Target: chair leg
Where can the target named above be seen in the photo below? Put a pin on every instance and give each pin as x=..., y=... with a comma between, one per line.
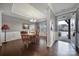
x=25, y=44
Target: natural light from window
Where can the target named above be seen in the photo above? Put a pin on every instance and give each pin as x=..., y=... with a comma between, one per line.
x=61, y=22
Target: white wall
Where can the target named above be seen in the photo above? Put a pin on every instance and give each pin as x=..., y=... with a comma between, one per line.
x=51, y=33
x=10, y=36
x=15, y=25
x=0, y=27
x=77, y=34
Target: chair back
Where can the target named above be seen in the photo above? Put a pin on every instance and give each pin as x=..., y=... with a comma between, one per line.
x=24, y=35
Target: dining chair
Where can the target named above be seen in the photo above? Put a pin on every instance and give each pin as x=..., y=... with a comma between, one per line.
x=25, y=38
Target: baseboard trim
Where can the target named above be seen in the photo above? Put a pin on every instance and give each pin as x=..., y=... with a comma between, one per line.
x=10, y=40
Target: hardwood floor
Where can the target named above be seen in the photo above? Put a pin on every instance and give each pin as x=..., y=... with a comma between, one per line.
x=16, y=48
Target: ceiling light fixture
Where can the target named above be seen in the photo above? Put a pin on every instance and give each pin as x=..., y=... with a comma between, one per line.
x=33, y=20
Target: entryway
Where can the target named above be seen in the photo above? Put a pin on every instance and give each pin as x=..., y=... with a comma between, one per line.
x=67, y=29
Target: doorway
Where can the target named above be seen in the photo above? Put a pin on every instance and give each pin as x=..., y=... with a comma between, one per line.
x=63, y=30
x=67, y=29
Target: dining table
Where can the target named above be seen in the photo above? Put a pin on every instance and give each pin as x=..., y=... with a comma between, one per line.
x=32, y=37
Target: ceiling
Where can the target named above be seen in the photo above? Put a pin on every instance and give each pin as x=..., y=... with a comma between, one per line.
x=63, y=10
x=5, y=7
x=59, y=8
x=42, y=7
x=37, y=11
x=25, y=11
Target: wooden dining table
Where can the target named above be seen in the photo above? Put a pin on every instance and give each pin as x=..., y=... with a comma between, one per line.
x=32, y=37
x=28, y=38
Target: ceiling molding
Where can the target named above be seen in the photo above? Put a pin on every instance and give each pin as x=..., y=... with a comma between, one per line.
x=59, y=8
x=66, y=12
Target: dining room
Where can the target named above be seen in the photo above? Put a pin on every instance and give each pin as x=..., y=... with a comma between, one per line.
x=30, y=29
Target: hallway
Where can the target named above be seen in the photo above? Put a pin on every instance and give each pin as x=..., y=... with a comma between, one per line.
x=16, y=48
